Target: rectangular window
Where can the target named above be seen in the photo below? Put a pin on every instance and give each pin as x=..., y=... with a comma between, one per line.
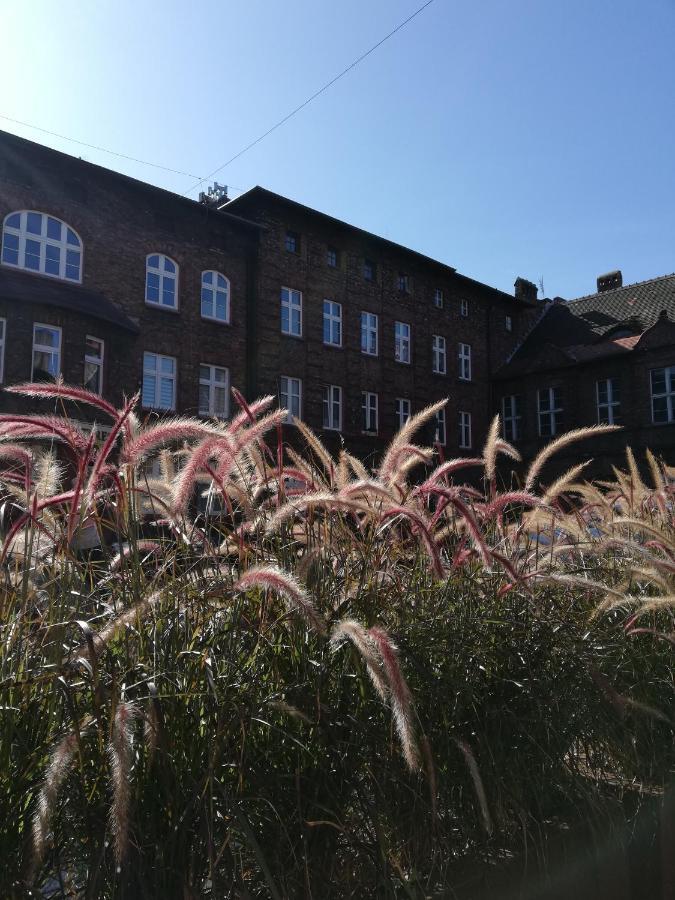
x=438, y=354
x=438, y=298
x=464, y=359
x=332, y=257
x=368, y=270
x=291, y=312
x=369, y=333
x=403, y=283
x=508, y=323
x=290, y=397
x=464, y=308
x=465, y=430
x=439, y=437
x=214, y=391
x=402, y=411
x=332, y=407
x=159, y=381
x=46, y=352
x=663, y=395
x=511, y=418
x=549, y=403
x=402, y=342
x=3, y=330
x=609, y=401
x=292, y=242
x=332, y=323
x=369, y=411
x=93, y=365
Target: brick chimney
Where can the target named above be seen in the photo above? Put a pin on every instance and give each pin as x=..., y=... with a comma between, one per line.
x=610, y=281
x=525, y=290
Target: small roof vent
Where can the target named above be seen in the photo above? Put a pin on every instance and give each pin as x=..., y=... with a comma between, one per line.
x=610, y=281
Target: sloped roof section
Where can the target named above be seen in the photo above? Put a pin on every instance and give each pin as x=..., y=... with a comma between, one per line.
x=642, y=302
x=23, y=287
x=597, y=325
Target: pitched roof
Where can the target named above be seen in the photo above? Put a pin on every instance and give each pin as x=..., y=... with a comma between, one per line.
x=642, y=301
x=595, y=326
x=25, y=287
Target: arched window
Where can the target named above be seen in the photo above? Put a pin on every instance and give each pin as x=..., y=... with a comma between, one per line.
x=161, y=281
x=215, y=296
x=41, y=243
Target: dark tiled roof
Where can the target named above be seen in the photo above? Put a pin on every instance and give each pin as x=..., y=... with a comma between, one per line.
x=641, y=302
x=596, y=325
x=24, y=287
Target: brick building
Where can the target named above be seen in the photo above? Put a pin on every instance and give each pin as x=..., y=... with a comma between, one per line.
x=357, y=332
x=607, y=357
x=120, y=285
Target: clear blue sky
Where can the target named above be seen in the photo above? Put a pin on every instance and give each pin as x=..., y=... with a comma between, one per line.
x=505, y=137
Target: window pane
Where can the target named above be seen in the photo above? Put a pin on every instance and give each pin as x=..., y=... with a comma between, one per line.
x=10, y=249
x=34, y=223
x=204, y=398
x=166, y=393
x=207, y=302
x=166, y=365
x=221, y=305
x=658, y=381
x=660, y=409
x=13, y=221
x=168, y=265
x=32, y=258
x=73, y=238
x=46, y=337
x=53, y=229
x=91, y=377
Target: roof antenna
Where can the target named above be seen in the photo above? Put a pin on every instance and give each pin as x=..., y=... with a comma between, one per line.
x=541, y=286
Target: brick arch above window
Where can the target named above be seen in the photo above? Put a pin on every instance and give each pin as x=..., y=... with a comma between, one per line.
x=41, y=243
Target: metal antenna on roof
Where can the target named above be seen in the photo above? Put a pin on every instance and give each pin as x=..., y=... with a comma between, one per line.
x=541, y=286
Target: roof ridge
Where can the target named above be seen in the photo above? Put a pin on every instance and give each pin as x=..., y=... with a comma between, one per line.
x=622, y=288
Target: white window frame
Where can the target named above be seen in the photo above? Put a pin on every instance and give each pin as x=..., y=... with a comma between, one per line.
x=369, y=328
x=439, y=355
x=669, y=393
x=212, y=383
x=290, y=389
x=511, y=418
x=441, y=434
x=508, y=323
x=402, y=342
x=292, y=302
x=465, y=437
x=369, y=409
x=613, y=405
x=402, y=410
x=158, y=375
x=214, y=289
x=464, y=360
x=549, y=413
x=22, y=234
x=464, y=308
x=96, y=361
x=332, y=317
x=3, y=341
x=438, y=298
x=332, y=398
x=163, y=275
x=45, y=348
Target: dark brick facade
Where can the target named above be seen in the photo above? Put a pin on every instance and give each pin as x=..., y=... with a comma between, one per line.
x=319, y=239
x=120, y=222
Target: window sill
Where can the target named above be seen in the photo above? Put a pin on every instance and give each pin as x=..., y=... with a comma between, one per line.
x=217, y=321
x=370, y=433
x=402, y=362
x=160, y=306
x=371, y=355
x=296, y=337
x=333, y=346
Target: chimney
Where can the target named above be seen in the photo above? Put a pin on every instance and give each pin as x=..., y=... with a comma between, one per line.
x=610, y=281
x=525, y=290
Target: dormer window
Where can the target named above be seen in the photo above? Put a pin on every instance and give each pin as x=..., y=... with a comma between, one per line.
x=40, y=243
x=161, y=281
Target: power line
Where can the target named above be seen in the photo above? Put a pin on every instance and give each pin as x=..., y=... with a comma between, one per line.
x=313, y=97
x=64, y=137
